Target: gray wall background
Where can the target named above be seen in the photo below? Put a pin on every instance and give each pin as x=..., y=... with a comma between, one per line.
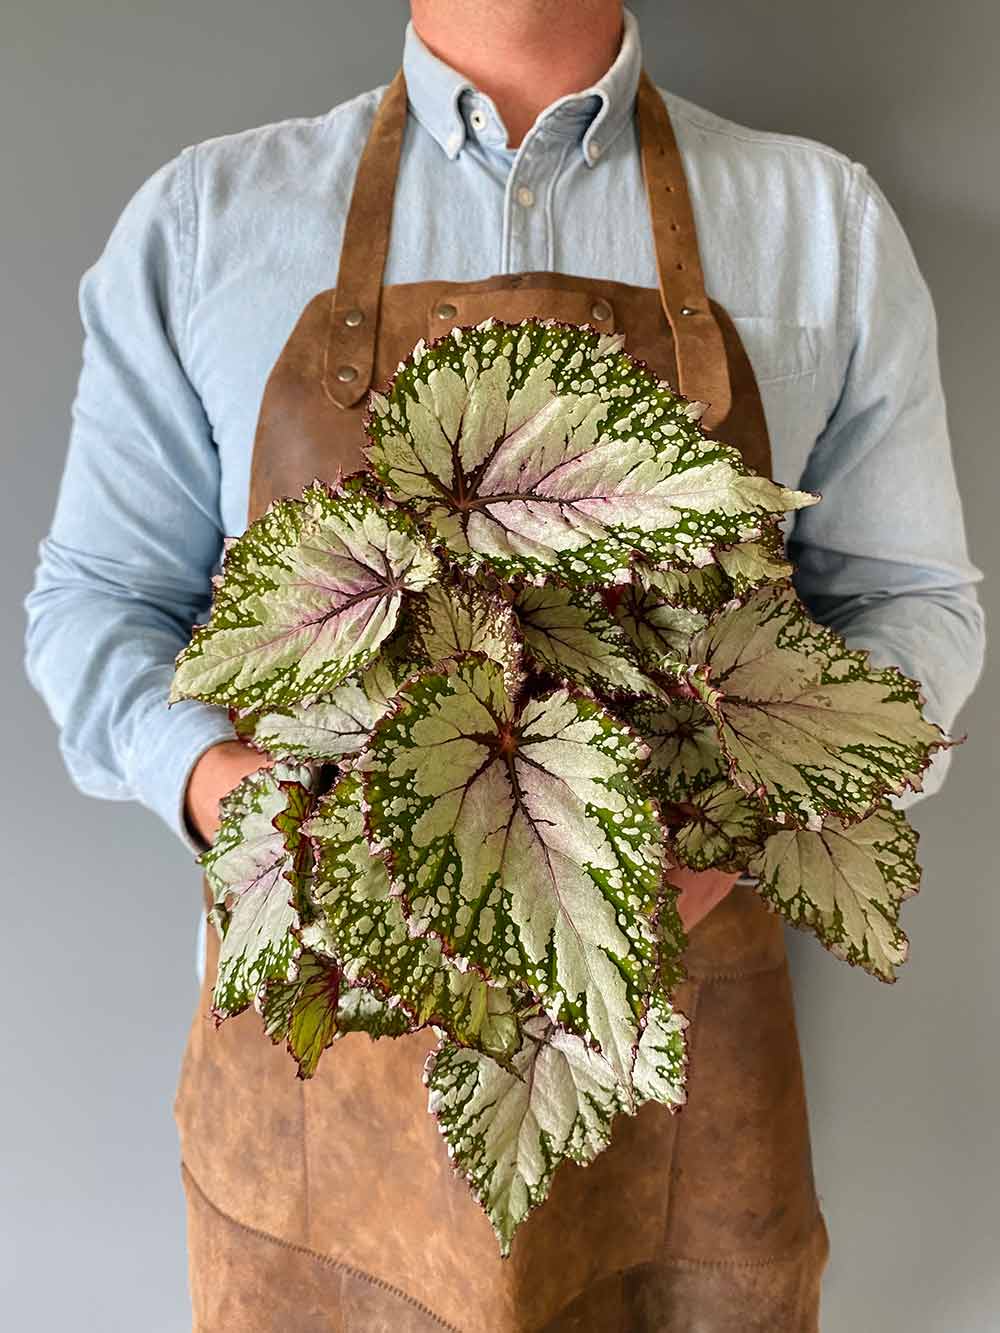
x=903, y=1081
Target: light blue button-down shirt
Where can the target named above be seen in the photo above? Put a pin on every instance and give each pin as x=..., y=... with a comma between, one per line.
x=214, y=257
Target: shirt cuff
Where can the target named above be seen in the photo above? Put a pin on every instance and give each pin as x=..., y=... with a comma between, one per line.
x=161, y=779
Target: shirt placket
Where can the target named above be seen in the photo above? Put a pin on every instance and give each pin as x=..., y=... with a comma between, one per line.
x=527, y=230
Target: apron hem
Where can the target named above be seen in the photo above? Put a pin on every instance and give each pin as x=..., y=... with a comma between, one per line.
x=787, y=1256
x=340, y=1264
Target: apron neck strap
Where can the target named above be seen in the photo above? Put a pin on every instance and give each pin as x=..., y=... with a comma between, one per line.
x=351, y=347
x=702, y=365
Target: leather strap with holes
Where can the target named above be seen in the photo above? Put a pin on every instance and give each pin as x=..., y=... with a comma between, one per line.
x=702, y=366
x=351, y=346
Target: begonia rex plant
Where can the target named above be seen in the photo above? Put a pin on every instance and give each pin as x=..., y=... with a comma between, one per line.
x=544, y=649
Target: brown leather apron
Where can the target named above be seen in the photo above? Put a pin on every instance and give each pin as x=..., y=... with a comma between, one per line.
x=331, y=1204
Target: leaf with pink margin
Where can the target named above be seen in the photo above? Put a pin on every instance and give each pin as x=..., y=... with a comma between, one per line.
x=508, y=1130
x=806, y=723
x=310, y=593
x=258, y=867
x=542, y=449
x=518, y=834
x=845, y=883
x=309, y=1011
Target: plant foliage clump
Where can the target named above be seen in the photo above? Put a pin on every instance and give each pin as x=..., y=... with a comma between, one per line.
x=541, y=652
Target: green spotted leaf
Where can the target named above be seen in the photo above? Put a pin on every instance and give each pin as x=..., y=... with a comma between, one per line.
x=519, y=836
x=318, y=1005
x=660, y=1069
x=544, y=448
x=845, y=882
x=705, y=589
x=569, y=632
x=258, y=869
x=807, y=723
x=722, y=829
x=671, y=941
x=302, y=1010
x=358, y=922
x=507, y=1130
x=309, y=593
x=464, y=617
x=684, y=751
x=659, y=629
x=750, y=564
x=333, y=726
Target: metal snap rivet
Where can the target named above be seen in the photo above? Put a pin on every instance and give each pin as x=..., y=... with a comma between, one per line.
x=688, y=310
x=347, y=373
x=354, y=317
x=446, y=310
x=601, y=310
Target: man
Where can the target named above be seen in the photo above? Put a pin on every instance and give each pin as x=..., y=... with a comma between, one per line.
x=520, y=154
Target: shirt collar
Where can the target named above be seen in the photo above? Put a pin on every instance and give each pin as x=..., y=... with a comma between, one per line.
x=443, y=100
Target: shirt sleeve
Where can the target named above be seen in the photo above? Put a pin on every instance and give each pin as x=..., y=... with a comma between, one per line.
x=882, y=558
x=126, y=569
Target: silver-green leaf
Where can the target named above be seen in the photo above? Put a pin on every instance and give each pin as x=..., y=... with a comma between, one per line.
x=257, y=868
x=569, y=632
x=360, y=923
x=805, y=722
x=845, y=882
x=310, y=592
x=542, y=448
x=507, y=1130
x=722, y=829
x=518, y=835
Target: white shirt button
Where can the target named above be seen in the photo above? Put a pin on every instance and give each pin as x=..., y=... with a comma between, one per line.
x=594, y=150
x=454, y=142
x=478, y=119
x=525, y=197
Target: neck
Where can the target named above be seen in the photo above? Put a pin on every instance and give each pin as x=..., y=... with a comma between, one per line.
x=524, y=54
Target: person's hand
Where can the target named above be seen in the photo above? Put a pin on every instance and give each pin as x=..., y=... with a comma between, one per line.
x=216, y=773
x=700, y=891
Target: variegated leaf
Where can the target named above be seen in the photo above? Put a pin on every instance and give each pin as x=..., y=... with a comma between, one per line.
x=846, y=882
x=361, y=1010
x=805, y=721
x=332, y=726
x=464, y=617
x=508, y=1130
x=660, y=631
x=723, y=828
x=705, y=589
x=753, y=563
x=257, y=868
x=541, y=448
x=310, y=592
x=317, y=1005
x=302, y=1010
x=569, y=632
x=362, y=925
x=684, y=751
x=519, y=835
x=660, y=1069
x=671, y=942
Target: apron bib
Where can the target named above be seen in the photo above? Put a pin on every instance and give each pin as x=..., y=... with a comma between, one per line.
x=330, y=1205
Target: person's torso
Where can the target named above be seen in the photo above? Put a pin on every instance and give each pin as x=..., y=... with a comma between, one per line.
x=270, y=205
